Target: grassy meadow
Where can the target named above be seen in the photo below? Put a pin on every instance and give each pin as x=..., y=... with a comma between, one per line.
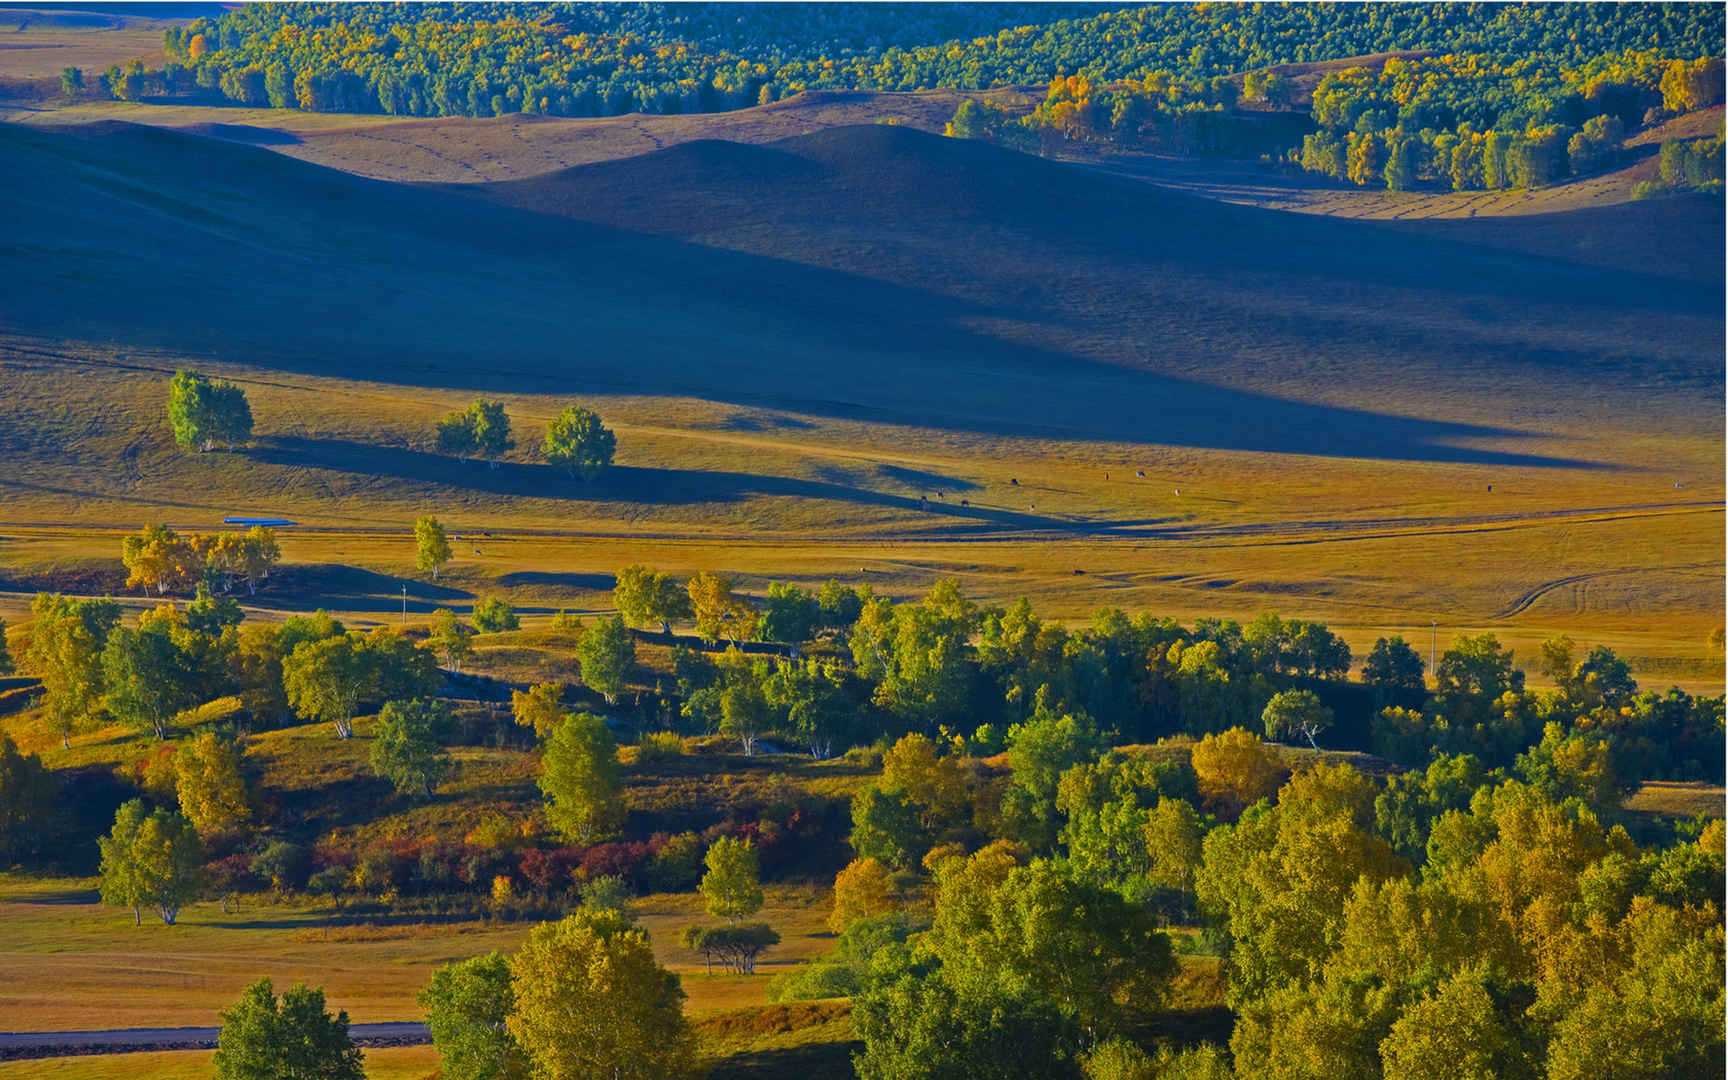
x=1619, y=555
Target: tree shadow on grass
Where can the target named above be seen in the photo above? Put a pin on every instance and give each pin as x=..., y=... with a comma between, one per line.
x=529, y=578
x=814, y=1061
x=338, y=587
x=632, y=484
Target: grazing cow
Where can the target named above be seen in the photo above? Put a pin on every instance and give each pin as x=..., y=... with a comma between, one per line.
x=1013, y=482
x=965, y=502
x=1141, y=473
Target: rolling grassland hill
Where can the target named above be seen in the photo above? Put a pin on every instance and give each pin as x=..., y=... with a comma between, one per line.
x=799, y=341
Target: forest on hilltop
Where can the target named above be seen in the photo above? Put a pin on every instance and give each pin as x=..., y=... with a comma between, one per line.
x=593, y=59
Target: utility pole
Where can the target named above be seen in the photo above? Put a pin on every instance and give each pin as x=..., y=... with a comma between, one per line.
x=404, y=605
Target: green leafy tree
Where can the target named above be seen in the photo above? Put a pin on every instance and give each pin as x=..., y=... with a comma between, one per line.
x=1577, y=764
x=494, y=615
x=467, y=1007
x=155, y=860
x=1174, y=834
x=917, y=654
x=1658, y=1016
x=452, y=641
x=67, y=639
x=789, y=614
x=408, y=749
x=72, y=84
x=149, y=677
x=6, y=665
x=813, y=698
x=1036, y=933
x=736, y=947
x=1278, y=879
x=579, y=778
x=1455, y=1034
x=1392, y=667
x=327, y=679
x=481, y=430
x=592, y=1001
x=889, y=827
x=924, y=1027
x=28, y=798
x=647, y=596
x=294, y=1038
x=839, y=605
x=1296, y=712
x=282, y=864
x=577, y=441
x=431, y=545
x=1040, y=750
x=1471, y=676
x=744, y=713
x=732, y=886
x=608, y=656
x=203, y=411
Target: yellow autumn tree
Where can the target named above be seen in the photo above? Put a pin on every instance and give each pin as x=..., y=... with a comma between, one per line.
x=159, y=558
x=591, y=1001
x=538, y=708
x=210, y=784
x=719, y=612
x=937, y=784
x=860, y=891
x=1235, y=770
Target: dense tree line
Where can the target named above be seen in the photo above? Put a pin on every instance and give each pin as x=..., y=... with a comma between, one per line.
x=1453, y=921
x=1471, y=122
x=593, y=59
x=944, y=666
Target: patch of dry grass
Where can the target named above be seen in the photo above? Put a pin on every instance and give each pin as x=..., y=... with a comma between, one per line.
x=69, y=963
x=1677, y=799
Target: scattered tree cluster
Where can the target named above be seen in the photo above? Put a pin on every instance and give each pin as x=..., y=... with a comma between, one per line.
x=161, y=559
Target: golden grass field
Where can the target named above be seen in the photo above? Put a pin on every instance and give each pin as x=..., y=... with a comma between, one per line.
x=1618, y=556
x=69, y=963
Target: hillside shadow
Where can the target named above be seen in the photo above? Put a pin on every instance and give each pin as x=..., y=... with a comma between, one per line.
x=338, y=587
x=243, y=133
x=409, y=285
x=622, y=483
x=924, y=481
x=585, y=582
x=813, y=1061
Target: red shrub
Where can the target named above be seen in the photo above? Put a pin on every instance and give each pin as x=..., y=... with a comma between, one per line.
x=623, y=859
x=549, y=868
